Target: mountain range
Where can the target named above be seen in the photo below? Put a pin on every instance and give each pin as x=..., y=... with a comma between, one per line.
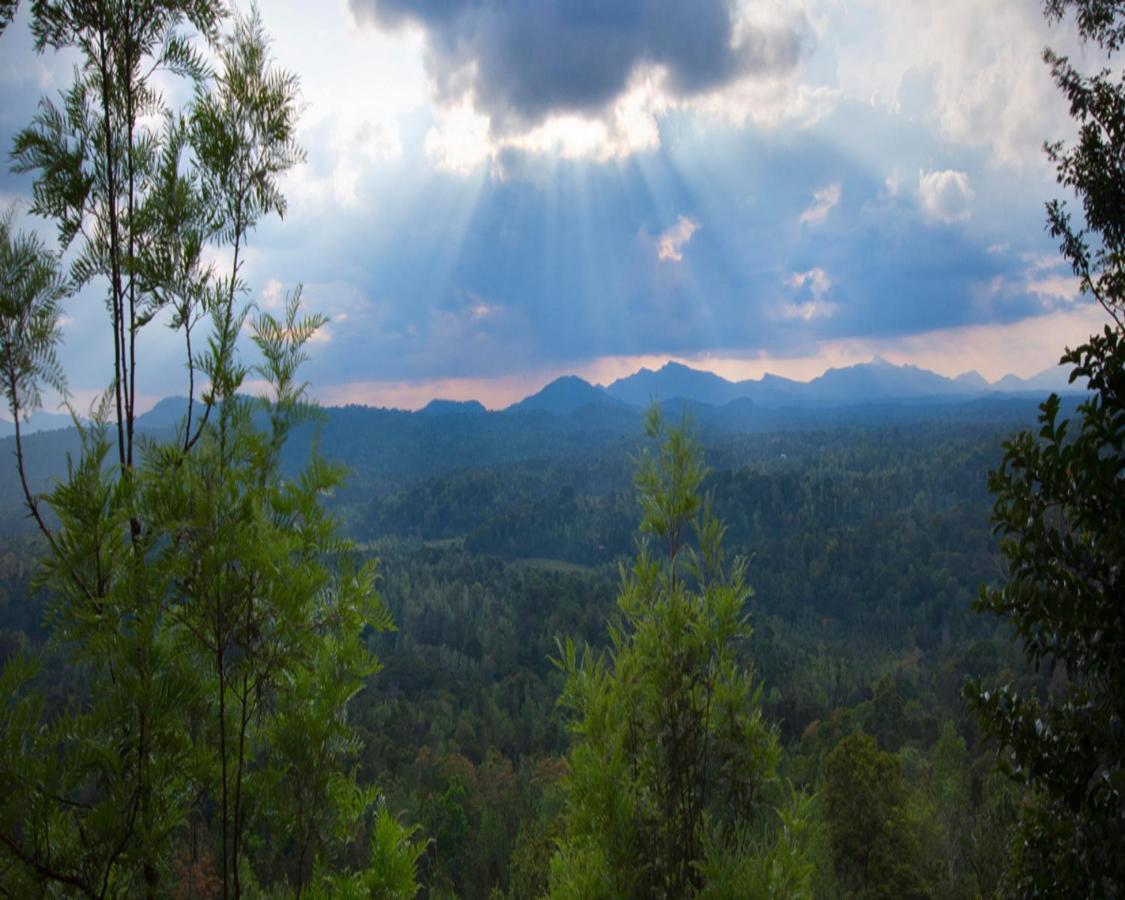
x=875, y=382
x=38, y=421
x=570, y=417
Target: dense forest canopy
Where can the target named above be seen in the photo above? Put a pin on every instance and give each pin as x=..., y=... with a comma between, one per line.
x=865, y=545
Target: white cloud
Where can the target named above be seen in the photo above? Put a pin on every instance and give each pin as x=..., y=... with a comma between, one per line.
x=462, y=138
x=357, y=146
x=459, y=141
x=1051, y=280
x=627, y=126
x=817, y=283
x=973, y=70
x=945, y=196
x=1065, y=288
x=479, y=307
x=272, y=296
x=769, y=102
x=824, y=201
x=669, y=246
x=813, y=309
x=357, y=88
x=1038, y=261
x=816, y=279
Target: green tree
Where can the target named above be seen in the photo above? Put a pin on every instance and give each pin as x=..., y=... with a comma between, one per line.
x=31, y=290
x=673, y=789
x=1060, y=511
x=211, y=614
x=1060, y=508
x=865, y=805
x=1094, y=167
x=949, y=793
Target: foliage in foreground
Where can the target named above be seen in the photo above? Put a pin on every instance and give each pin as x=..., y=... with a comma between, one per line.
x=673, y=787
x=1060, y=509
x=212, y=620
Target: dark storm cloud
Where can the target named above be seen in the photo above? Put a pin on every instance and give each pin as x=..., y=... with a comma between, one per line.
x=523, y=61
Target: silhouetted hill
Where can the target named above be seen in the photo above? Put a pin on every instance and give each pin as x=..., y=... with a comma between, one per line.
x=564, y=396
x=877, y=381
x=1053, y=378
x=973, y=380
x=672, y=381
x=168, y=414
x=39, y=421
x=880, y=380
x=439, y=407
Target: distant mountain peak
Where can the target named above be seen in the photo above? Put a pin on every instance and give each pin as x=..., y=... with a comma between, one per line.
x=673, y=381
x=770, y=378
x=439, y=406
x=40, y=420
x=564, y=395
x=973, y=378
x=1053, y=378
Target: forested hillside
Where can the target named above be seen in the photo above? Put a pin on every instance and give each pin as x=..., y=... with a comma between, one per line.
x=866, y=547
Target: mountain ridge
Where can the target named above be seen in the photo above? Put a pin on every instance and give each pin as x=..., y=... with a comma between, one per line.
x=876, y=381
x=564, y=396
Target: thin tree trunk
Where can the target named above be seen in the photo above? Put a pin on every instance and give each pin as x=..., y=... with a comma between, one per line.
x=114, y=250
x=222, y=741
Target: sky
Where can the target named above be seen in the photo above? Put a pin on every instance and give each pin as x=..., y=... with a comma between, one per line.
x=497, y=192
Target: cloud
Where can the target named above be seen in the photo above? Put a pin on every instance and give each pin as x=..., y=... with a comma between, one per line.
x=670, y=244
x=1049, y=278
x=945, y=196
x=813, y=309
x=1056, y=288
x=823, y=203
x=356, y=146
x=272, y=296
x=814, y=285
x=616, y=65
x=974, y=73
x=459, y=142
x=816, y=279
